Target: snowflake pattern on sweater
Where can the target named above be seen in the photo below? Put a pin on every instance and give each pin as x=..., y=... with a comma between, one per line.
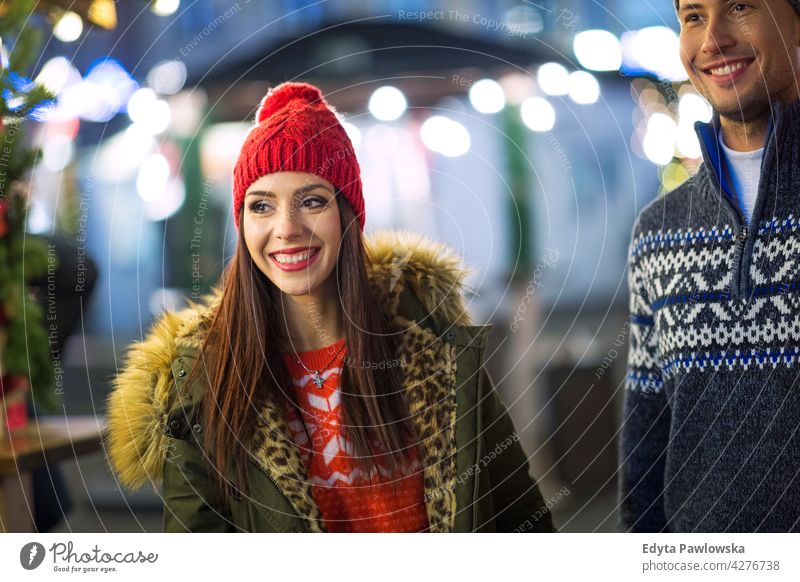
x=349, y=499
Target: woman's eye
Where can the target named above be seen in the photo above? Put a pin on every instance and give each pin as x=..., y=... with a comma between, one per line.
x=310, y=203
x=313, y=202
x=738, y=7
x=259, y=207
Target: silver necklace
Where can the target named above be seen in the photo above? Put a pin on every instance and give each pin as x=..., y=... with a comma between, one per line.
x=316, y=375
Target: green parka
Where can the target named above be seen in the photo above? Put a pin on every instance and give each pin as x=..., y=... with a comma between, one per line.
x=475, y=471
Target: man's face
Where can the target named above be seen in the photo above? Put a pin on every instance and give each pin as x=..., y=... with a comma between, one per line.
x=741, y=56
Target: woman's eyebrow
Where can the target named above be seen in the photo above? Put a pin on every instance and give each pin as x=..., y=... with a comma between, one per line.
x=300, y=190
x=309, y=187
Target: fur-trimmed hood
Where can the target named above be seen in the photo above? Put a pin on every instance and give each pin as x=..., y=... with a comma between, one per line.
x=416, y=278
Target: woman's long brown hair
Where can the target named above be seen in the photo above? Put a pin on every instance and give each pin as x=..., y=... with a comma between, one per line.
x=242, y=363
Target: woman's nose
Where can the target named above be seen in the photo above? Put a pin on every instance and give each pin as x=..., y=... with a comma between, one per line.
x=288, y=223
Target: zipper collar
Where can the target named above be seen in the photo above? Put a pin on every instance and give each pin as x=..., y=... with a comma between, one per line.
x=780, y=173
x=781, y=160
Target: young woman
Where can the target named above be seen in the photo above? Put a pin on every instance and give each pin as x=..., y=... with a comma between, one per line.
x=330, y=382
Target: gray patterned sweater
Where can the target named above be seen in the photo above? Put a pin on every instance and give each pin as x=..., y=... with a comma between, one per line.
x=711, y=434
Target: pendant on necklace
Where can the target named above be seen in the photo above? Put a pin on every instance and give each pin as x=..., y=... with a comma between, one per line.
x=318, y=379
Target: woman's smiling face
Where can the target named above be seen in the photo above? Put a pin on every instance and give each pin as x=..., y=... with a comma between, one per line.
x=292, y=229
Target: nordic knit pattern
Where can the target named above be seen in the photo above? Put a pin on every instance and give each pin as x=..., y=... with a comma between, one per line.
x=711, y=439
x=347, y=500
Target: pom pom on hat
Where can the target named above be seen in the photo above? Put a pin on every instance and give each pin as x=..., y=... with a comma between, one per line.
x=278, y=97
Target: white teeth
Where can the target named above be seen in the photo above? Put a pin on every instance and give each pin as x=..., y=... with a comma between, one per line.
x=296, y=258
x=728, y=69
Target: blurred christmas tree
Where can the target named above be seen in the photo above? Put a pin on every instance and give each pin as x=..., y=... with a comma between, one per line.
x=24, y=349
x=25, y=357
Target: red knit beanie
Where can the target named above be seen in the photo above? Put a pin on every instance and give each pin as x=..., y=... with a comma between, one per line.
x=296, y=130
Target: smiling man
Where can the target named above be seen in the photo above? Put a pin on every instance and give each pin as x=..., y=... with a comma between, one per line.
x=711, y=435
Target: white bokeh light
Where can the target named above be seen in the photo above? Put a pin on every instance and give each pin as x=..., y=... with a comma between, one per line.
x=153, y=177
x=120, y=156
x=687, y=142
x=443, y=135
x=692, y=107
x=167, y=77
x=172, y=198
x=538, y=114
x=69, y=27
x=57, y=153
x=598, y=50
x=100, y=95
x=553, y=79
x=659, y=140
x=583, y=88
x=387, y=103
x=148, y=112
x=58, y=74
x=655, y=49
x=166, y=7
x=487, y=96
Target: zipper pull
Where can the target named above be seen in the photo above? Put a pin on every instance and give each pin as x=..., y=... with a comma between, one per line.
x=742, y=258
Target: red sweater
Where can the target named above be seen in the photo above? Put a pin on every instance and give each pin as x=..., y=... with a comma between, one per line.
x=343, y=493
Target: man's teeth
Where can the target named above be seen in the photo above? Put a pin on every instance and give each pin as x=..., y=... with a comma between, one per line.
x=728, y=69
x=295, y=258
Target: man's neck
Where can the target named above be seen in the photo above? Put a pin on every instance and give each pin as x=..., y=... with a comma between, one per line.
x=744, y=136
